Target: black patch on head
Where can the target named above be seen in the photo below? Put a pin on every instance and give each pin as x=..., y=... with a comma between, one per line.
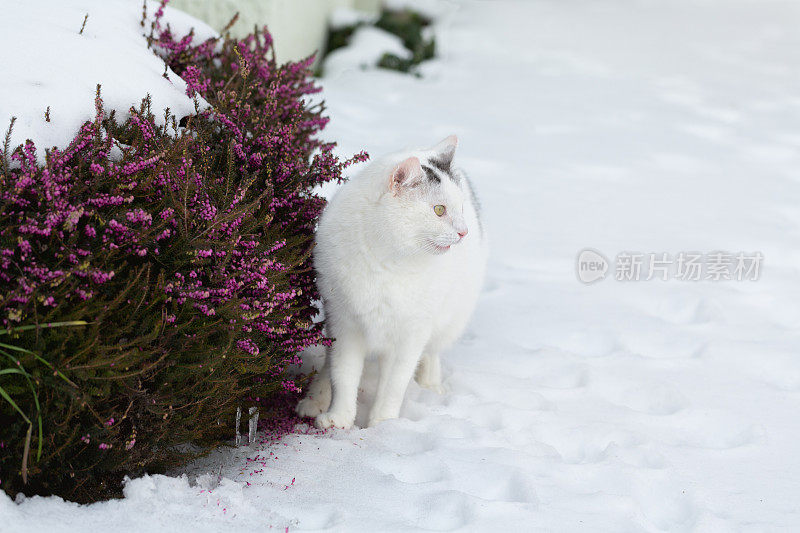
x=431, y=175
x=441, y=167
x=444, y=166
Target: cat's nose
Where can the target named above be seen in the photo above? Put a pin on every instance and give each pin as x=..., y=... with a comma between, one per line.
x=462, y=234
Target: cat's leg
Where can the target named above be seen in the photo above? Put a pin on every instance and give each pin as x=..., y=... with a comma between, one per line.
x=346, y=362
x=429, y=372
x=318, y=398
x=396, y=369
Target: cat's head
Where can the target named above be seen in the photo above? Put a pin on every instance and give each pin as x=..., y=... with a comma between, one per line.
x=425, y=198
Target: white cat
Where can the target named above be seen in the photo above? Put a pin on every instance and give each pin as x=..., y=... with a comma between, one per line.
x=400, y=259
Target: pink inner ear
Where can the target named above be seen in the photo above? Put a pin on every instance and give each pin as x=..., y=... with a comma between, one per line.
x=406, y=174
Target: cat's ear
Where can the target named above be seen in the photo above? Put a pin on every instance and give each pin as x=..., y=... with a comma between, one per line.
x=444, y=152
x=405, y=175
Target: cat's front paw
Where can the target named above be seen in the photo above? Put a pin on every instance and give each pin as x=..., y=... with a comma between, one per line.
x=438, y=388
x=309, y=408
x=374, y=420
x=334, y=420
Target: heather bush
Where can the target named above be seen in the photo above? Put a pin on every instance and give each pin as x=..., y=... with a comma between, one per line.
x=184, y=244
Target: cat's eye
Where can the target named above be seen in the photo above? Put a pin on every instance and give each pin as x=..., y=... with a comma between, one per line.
x=439, y=210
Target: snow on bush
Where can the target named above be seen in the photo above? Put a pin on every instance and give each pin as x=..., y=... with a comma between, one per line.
x=55, y=53
x=184, y=242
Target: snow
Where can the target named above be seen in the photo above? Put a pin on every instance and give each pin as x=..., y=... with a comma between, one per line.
x=639, y=406
x=344, y=17
x=367, y=46
x=62, y=69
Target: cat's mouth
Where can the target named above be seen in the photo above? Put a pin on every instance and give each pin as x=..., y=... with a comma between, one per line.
x=439, y=249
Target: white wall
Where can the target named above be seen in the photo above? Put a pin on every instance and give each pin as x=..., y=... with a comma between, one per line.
x=299, y=27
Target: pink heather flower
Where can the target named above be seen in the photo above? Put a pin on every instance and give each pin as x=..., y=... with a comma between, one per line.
x=25, y=247
x=101, y=277
x=290, y=386
x=83, y=295
x=248, y=346
x=139, y=216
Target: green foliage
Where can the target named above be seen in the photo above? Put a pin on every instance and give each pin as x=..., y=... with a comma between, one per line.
x=407, y=24
x=339, y=37
x=11, y=355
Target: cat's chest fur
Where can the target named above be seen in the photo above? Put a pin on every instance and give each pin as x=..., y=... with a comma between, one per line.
x=385, y=299
x=372, y=288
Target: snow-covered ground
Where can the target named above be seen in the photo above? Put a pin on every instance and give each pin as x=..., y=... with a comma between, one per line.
x=54, y=54
x=619, y=406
